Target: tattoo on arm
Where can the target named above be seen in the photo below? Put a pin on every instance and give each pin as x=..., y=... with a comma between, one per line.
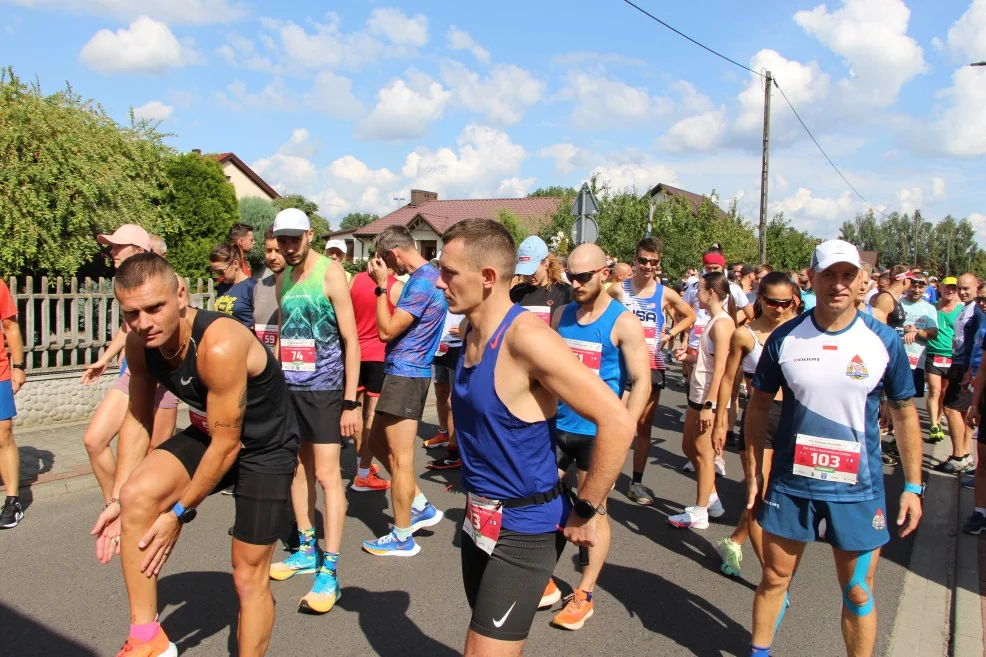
x=903, y=403
x=243, y=398
x=228, y=425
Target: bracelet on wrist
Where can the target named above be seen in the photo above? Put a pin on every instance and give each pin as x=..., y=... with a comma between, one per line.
x=917, y=489
x=112, y=500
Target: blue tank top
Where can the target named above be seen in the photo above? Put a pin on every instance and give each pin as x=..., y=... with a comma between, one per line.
x=593, y=344
x=650, y=313
x=504, y=457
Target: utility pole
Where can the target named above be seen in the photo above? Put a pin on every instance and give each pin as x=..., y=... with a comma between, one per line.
x=917, y=228
x=763, y=172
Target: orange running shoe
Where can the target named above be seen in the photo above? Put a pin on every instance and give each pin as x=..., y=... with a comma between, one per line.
x=374, y=468
x=159, y=646
x=372, y=482
x=440, y=440
x=550, y=596
x=578, y=609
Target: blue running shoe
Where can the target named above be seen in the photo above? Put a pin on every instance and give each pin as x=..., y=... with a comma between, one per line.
x=324, y=595
x=426, y=517
x=391, y=546
x=301, y=562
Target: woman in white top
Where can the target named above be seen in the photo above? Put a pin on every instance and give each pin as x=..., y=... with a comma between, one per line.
x=706, y=377
x=775, y=304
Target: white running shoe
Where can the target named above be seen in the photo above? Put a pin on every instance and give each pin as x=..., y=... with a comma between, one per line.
x=694, y=517
x=720, y=466
x=715, y=508
x=688, y=467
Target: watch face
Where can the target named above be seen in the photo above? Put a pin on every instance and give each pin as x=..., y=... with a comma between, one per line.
x=188, y=516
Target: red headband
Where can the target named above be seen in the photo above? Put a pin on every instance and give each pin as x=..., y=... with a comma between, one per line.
x=714, y=259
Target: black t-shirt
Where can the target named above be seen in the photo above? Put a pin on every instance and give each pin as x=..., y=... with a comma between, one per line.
x=542, y=301
x=236, y=300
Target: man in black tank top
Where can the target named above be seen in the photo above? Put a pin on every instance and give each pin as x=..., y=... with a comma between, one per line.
x=243, y=433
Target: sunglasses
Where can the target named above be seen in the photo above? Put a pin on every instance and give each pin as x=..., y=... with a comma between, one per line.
x=919, y=283
x=652, y=262
x=778, y=303
x=583, y=277
x=980, y=299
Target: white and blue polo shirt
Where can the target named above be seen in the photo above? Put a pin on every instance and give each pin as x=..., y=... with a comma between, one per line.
x=832, y=384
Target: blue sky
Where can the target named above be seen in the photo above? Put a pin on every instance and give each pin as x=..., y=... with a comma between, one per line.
x=357, y=105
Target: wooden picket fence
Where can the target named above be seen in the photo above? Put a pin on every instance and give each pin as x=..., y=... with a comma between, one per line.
x=67, y=328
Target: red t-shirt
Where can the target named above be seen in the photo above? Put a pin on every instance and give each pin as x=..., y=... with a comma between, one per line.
x=8, y=310
x=363, y=292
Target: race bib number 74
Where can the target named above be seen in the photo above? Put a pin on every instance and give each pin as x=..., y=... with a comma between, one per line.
x=298, y=355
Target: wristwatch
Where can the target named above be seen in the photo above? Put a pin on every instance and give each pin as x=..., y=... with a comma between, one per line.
x=185, y=516
x=19, y=366
x=585, y=509
x=709, y=405
x=379, y=290
x=917, y=489
x=350, y=405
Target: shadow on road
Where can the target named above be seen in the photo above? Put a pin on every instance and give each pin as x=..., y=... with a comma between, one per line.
x=26, y=637
x=383, y=619
x=202, y=605
x=34, y=463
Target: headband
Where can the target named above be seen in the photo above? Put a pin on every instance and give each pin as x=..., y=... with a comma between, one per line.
x=714, y=259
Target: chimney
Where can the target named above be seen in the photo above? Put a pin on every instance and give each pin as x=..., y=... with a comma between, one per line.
x=197, y=151
x=420, y=197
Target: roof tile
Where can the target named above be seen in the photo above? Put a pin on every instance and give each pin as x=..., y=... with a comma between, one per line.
x=441, y=215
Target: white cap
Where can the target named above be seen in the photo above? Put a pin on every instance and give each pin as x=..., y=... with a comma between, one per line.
x=833, y=252
x=336, y=244
x=691, y=280
x=291, y=222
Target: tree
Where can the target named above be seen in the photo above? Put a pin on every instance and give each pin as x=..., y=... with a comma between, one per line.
x=556, y=233
x=788, y=248
x=259, y=213
x=356, y=220
x=513, y=225
x=553, y=191
x=205, y=204
x=319, y=223
x=69, y=172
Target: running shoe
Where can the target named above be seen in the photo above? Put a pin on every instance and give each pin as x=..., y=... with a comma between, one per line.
x=715, y=508
x=935, y=435
x=159, y=646
x=720, y=464
x=975, y=524
x=953, y=464
x=640, y=494
x=688, y=467
x=426, y=517
x=369, y=483
x=731, y=554
x=694, y=517
x=302, y=562
x=577, y=610
x=550, y=596
x=438, y=440
x=11, y=513
x=970, y=464
x=968, y=480
x=450, y=460
x=323, y=596
x=391, y=546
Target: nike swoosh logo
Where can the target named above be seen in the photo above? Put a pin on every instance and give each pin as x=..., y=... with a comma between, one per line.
x=499, y=623
x=494, y=343
x=185, y=382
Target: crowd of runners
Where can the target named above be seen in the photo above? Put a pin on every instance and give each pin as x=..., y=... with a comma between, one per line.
x=547, y=371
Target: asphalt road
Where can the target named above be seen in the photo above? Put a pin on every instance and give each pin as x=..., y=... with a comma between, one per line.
x=661, y=592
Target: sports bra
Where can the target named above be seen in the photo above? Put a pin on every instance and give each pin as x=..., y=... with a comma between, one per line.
x=751, y=359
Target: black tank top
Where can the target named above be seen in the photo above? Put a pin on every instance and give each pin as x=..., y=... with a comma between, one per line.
x=270, y=435
x=896, y=317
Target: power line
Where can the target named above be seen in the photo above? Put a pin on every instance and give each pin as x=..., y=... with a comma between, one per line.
x=824, y=154
x=682, y=34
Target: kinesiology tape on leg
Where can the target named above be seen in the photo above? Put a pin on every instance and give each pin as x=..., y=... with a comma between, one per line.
x=859, y=579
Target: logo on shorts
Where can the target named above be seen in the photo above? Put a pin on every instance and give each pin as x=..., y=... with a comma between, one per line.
x=857, y=369
x=879, y=522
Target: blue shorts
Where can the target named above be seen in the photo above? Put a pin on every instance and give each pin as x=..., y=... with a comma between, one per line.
x=850, y=526
x=7, y=409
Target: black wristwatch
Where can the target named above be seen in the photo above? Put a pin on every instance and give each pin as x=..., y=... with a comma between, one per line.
x=585, y=509
x=19, y=366
x=379, y=290
x=349, y=405
x=185, y=516
x=709, y=405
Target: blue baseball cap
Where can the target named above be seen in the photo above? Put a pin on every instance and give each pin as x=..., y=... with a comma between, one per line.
x=529, y=256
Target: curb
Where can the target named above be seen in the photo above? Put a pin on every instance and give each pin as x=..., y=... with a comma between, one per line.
x=967, y=637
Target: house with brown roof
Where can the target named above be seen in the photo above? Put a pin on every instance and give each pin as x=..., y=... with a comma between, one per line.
x=427, y=217
x=244, y=180
x=662, y=193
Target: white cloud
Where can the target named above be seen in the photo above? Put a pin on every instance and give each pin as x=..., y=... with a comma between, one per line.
x=400, y=29
x=461, y=40
x=332, y=95
x=147, y=46
x=938, y=192
x=353, y=170
x=871, y=35
x=274, y=96
x=702, y=132
x=404, y=110
x=564, y=155
x=154, y=110
x=603, y=102
x=186, y=12
x=287, y=173
x=978, y=222
x=515, y=187
x=240, y=52
x=960, y=128
x=635, y=175
x=502, y=96
x=910, y=199
x=300, y=144
x=803, y=205
x=805, y=85
x=967, y=36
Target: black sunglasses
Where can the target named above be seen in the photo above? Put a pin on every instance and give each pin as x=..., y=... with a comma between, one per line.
x=980, y=299
x=653, y=262
x=777, y=303
x=919, y=283
x=583, y=277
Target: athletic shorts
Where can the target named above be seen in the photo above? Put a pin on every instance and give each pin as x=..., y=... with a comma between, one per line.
x=403, y=396
x=656, y=381
x=263, y=500
x=7, y=409
x=449, y=360
x=851, y=526
x=370, y=377
x=574, y=448
x=918, y=382
x=957, y=397
x=163, y=398
x=505, y=588
x=931, y=368
x=318, y=414
x=773, y=421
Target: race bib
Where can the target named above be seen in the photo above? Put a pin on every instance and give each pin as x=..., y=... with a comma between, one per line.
x=298, y=355
x=267, y=333
x=913, y=360
x=484, y=518
x=826, y=459
x=941, y=361
x=590, y=353
x=697, y=330
x=544, y=312
x=198, y=420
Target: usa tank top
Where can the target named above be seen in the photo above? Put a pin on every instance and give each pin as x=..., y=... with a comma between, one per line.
x=648, y=311
x=311, y=351
x=593, y=344
x=504, y=457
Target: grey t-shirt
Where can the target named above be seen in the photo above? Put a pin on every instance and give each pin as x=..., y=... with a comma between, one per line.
x=266, y=312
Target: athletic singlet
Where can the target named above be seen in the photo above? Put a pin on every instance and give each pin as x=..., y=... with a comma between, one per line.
x=504, y=457
x=648, y=311
x=593, y=344
x=363, y=293
x=265, y=310
x=896, y=317
x=941, y=345
x=311, y=351
x=705, y=364
x=751, y=359
x=270, y=434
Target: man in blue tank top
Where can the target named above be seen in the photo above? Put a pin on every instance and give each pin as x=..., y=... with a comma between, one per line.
x=512, y=372
x=610, y=341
